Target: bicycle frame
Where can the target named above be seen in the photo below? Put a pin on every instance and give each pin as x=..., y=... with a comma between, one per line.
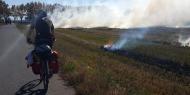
x=44, y=54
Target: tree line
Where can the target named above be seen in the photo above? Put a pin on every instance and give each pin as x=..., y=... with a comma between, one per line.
x=29, y=9
x=4, y=10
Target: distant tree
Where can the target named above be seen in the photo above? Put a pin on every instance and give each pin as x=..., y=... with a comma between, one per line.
x=21, y=11
x=14, y=12
x=31, y=8
x=4, y=10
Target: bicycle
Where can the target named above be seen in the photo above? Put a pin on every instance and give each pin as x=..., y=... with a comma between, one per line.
x=43, y=52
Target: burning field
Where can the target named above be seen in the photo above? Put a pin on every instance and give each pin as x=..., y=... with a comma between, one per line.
x=128, y=47
x=142, y=61
x=129, y=44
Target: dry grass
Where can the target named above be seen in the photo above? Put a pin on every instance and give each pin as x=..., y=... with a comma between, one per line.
x=95, y=72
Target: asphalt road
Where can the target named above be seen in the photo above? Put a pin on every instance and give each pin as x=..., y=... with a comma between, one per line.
x=15, y=78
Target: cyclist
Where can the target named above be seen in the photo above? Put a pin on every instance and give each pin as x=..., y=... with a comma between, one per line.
x=43, y=35
x=41, y=30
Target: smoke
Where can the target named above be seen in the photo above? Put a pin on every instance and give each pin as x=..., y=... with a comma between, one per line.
x=121, y=14
x=131, y=38
x=184, y=40
x=169, y=12
x=101, y=13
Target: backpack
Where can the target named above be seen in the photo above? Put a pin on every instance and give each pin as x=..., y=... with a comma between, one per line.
x=44, y=28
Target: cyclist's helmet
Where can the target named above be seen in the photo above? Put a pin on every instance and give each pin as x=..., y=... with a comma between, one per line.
x=41, y=13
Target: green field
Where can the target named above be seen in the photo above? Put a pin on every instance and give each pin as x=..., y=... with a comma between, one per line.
x=157, y=69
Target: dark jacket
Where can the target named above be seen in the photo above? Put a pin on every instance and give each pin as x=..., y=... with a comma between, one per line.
x=44, y=29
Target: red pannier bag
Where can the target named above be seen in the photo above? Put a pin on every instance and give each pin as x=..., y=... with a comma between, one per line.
x=54, y=64
x=54, y=67
x=36, y=68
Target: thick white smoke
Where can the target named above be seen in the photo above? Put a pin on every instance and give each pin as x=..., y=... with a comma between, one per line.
x=122, y=13
x=102, y=13
x=184, y=41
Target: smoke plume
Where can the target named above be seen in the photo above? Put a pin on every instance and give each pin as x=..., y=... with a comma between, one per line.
x=132, y=39
x=184, y=41
x=122, y=13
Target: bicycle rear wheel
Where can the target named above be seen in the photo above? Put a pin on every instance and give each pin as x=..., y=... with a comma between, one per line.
x=45, y=74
